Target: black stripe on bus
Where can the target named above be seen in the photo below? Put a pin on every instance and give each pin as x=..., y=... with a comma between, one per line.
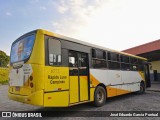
x=56, y=91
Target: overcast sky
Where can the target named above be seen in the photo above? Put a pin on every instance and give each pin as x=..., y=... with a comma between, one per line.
x=115, y=24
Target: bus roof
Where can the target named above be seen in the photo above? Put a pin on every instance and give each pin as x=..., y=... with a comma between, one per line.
x=85, y=43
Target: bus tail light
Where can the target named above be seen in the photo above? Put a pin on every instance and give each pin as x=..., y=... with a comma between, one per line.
x=31, y=85
x=31, y=78
x=59, y=88
x=27, y=100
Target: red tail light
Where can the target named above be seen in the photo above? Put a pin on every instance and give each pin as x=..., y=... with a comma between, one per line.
x=59, y=88
x=31, y=78
x=31, y=85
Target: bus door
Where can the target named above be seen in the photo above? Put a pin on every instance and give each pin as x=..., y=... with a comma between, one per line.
x=78, y=72
x=147, y=75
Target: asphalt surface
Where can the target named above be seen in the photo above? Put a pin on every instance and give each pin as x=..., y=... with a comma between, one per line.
x=150, y=101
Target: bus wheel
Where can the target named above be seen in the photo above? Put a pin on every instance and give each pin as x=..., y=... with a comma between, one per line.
x=142, y=88
x=99, y=96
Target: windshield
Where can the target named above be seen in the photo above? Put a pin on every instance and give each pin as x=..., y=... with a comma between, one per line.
x=22, y=49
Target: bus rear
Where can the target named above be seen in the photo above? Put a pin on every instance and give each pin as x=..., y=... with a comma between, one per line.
x=32, y=79
x=26, y=69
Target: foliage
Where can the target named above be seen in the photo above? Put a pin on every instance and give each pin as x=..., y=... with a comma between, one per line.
x=4, y=75
x=4, y=82
x=4, y=59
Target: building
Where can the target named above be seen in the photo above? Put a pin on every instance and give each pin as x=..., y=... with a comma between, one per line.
x=151, y=51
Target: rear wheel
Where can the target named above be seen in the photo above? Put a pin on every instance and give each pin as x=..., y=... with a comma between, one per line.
x=142, y=88
x=99, y=96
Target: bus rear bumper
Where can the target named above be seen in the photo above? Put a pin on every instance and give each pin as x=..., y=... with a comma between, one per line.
x=35, y=98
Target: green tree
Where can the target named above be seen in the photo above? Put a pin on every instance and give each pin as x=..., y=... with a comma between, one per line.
x=4, y=59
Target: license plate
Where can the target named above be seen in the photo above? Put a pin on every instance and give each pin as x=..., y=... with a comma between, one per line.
x=17, y=88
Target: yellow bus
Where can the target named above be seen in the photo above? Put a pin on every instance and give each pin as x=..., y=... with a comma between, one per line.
x=51, y=70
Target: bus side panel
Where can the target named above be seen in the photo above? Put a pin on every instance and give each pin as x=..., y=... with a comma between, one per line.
x=56, y=99
x=56, y=78
x=56, y=91
x=123, y=89
x=131, y=76
x=134, y=87
x=74, y=96
x=117, y=82
x=107, y=77
x=114, y=77
x=111, y=91
x=83, y=88
x=92, y=94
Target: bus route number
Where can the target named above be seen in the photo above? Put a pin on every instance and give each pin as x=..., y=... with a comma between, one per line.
x=55, y=71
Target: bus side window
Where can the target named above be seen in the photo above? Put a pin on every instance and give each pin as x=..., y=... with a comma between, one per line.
x=125, y=64
x=99, y=59
x=54, y=51
x=134, y=67
x=113, y=61
x=71, y=61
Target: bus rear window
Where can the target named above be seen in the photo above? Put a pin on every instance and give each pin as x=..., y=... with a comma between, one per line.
x=22, y=49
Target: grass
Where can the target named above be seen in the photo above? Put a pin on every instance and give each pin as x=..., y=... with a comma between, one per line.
x=4, y=82
x=4, y=75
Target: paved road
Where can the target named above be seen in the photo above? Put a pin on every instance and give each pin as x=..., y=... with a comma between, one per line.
x=9, y=105
x=150, y=101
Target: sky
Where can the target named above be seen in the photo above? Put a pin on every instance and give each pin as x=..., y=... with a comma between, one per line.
x=114, y=24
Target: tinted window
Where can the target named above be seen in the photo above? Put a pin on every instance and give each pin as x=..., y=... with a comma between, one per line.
x=124, y=59
x=73, y=63
x=140, y=67
x=93, y=53
x=140, y=61
x=109, y=56
x=98, y=54
x=98, y=63
x=113, y=56
x=133, y=60
x=125, y=66
x=134, y=67
x=114, y=65
x=54, y=51
x=83, y=60
x=82, y=64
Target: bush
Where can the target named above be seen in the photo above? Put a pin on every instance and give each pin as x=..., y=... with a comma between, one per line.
x=4, y=75
x=4, y=59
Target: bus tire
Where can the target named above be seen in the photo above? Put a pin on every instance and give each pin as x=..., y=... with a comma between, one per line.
x=99, y=96
x=142, y=88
